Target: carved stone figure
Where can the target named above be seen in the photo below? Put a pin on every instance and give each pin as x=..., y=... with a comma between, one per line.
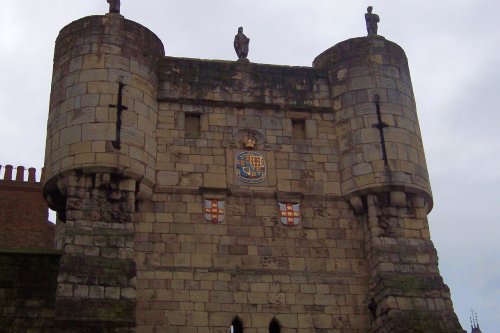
x=114, y=6
x=372, y=21
x=241, y=45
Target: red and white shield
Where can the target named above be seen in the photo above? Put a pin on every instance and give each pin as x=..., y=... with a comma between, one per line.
x=214, y=210
x=289, y=213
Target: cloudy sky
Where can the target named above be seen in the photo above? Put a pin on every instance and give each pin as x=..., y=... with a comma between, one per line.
x=453, y=51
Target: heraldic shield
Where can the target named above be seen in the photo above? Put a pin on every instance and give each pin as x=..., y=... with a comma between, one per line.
x=289, y=213
x=214, y=210
x=250, y=167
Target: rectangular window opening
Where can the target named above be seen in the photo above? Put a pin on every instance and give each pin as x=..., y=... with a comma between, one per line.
x=299, y=129
x=192, y=126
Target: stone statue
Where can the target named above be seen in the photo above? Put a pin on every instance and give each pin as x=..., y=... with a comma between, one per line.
x=114, y=6
x=241, y=45
x=372, y=21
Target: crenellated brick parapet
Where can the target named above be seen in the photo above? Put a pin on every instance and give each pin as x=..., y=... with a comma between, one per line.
x=23, y=210
x=20, y=174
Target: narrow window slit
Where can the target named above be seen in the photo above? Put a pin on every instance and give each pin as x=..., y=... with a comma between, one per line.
x=380, y=126
x=119, y=109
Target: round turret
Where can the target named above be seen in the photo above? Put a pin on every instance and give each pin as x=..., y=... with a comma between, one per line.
x=103, y=104
x=379, y=137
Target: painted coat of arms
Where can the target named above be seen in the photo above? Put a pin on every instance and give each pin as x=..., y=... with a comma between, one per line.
x=250, y=167
x=214, y=210
x=289, y=213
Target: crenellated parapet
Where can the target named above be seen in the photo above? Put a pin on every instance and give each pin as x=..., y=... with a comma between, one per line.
x=8, y=174
x=23, y=211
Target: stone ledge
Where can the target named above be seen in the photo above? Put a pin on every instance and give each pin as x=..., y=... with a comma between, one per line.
x=242, y=105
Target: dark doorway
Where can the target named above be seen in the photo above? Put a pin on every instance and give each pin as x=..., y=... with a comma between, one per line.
x=274, y=326
x=237, y=325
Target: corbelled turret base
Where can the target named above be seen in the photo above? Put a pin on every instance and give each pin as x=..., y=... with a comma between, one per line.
x=406, y=292
x=97, y=274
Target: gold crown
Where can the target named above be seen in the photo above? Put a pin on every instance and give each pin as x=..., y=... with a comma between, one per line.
x=249, y=142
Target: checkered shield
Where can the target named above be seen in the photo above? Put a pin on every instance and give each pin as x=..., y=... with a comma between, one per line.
x=214, y=210
x=289, y=213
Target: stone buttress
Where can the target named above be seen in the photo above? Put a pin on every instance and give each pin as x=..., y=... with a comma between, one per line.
x=100, y=157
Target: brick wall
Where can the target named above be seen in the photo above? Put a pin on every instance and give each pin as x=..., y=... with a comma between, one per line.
x=23, y=212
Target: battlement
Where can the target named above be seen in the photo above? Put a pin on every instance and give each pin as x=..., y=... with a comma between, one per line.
x=23, y=210
x=7, y=174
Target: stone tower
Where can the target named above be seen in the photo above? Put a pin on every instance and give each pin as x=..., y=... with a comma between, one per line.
x=100, y=162
x=384, y=176
x=198, y=195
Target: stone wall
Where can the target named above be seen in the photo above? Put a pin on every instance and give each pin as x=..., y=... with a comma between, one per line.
x=194, y=275
x=235, y=101
x=28, y=283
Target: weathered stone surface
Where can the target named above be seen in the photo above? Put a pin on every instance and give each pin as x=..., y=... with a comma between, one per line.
x=339, y=139
x=95, y=288
x=27, y=287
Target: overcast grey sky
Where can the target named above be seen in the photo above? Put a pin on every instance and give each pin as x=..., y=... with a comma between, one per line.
x=453, y=51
